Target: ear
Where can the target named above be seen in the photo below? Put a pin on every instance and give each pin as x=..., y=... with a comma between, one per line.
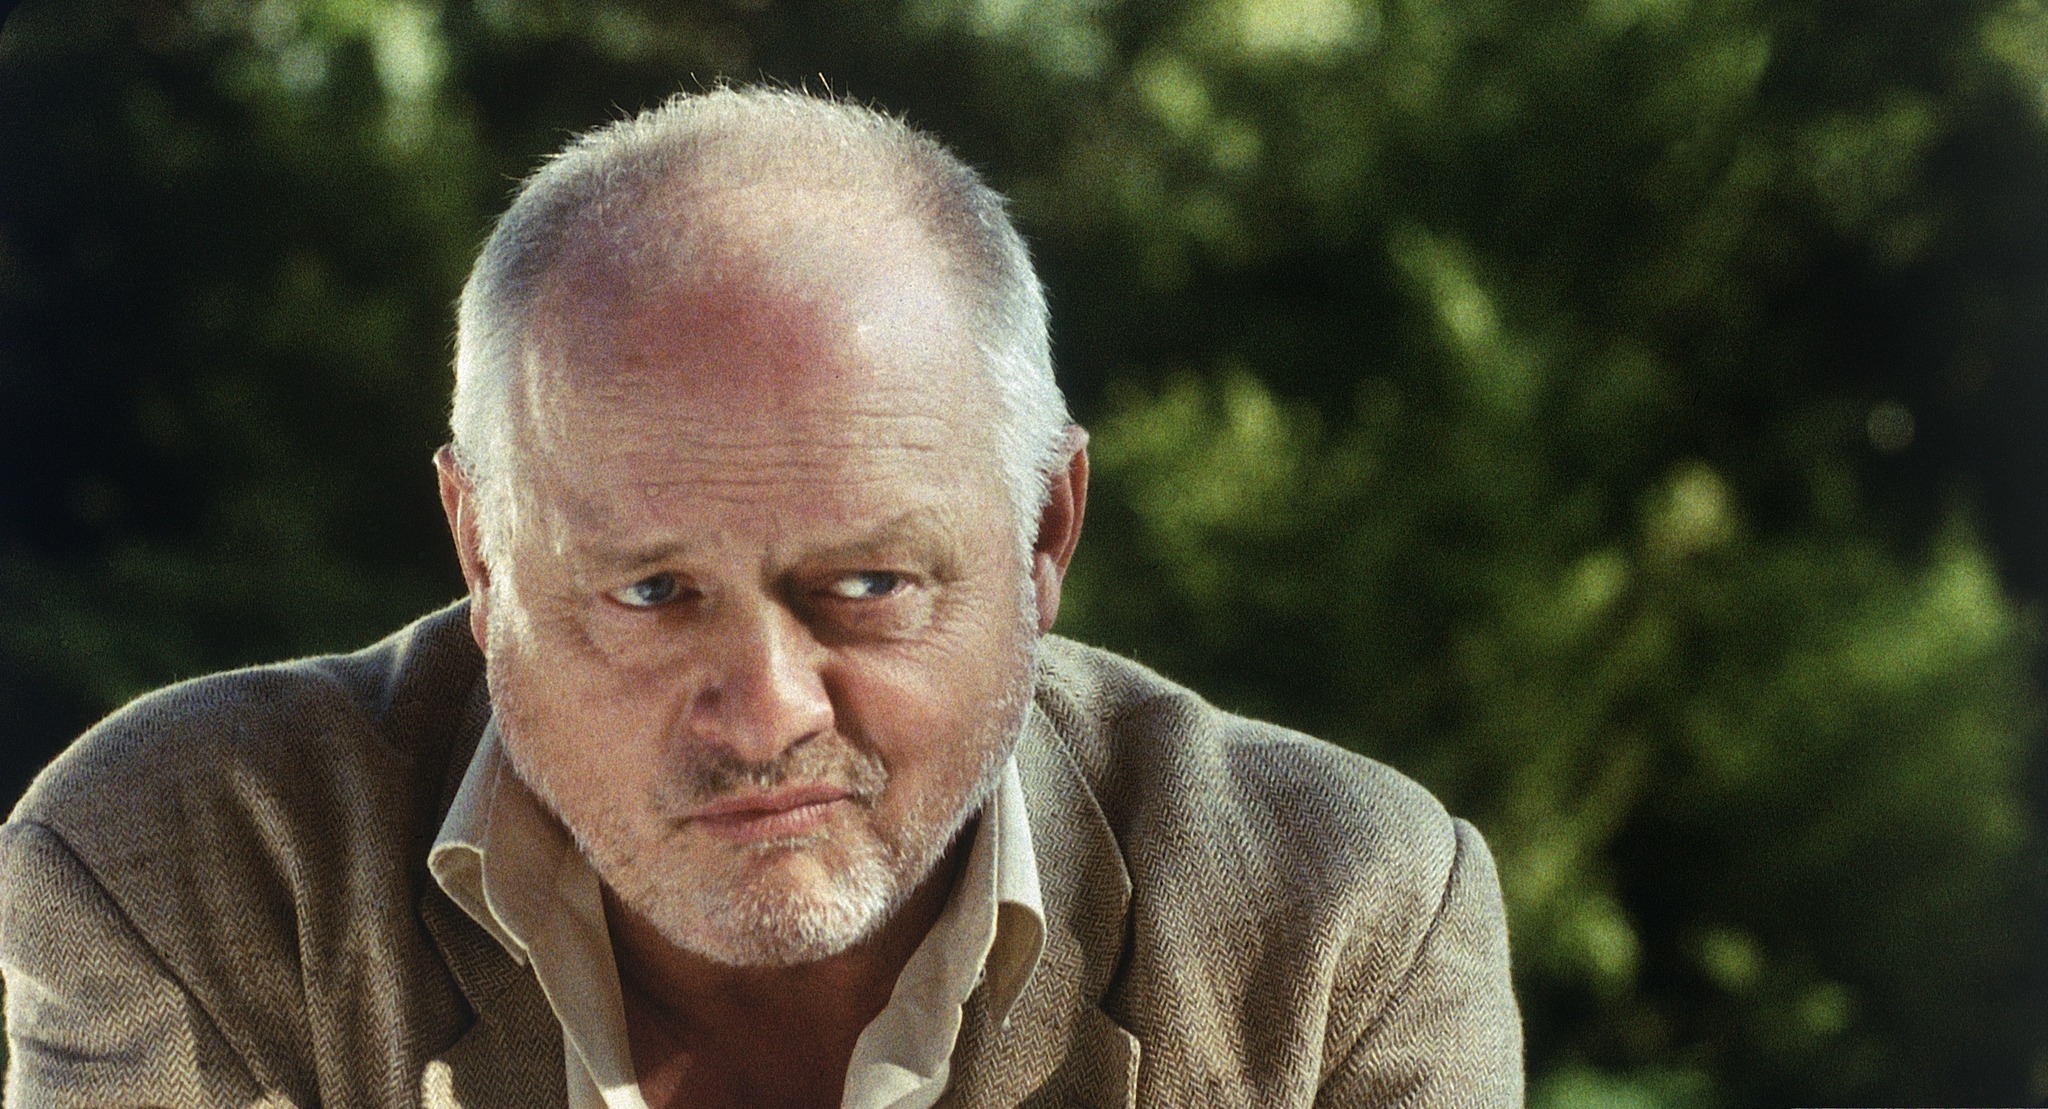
x=1059, y=527
x=459, y=502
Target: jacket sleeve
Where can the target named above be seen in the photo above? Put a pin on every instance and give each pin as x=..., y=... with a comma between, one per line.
x=93, y=1015
x=1450, y=1035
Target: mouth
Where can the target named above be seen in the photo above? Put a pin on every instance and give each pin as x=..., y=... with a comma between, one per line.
x=778, y=814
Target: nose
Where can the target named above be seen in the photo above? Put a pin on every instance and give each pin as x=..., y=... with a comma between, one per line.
x=765, y=689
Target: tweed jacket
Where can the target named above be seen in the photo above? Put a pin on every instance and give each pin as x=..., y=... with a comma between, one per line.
x=219, y=897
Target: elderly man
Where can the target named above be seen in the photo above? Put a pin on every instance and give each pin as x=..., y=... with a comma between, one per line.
x=748, y=773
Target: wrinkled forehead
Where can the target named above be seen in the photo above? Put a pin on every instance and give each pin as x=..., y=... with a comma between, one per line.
x=803, y=275
x=780, y=314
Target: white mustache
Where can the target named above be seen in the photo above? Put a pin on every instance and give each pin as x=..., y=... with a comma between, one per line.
x=714, y=775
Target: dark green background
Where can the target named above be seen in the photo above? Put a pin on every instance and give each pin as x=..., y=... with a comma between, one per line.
x=1625, y=416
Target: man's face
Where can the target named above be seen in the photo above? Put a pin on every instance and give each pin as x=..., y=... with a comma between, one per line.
x=761, y=632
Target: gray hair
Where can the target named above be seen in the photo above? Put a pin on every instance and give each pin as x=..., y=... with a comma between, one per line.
x=737, y=135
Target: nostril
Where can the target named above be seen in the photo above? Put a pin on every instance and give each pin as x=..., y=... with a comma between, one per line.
x=758, y=712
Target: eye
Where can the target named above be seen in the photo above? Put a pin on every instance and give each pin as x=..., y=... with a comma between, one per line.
x=867, y=585
x=648, y=592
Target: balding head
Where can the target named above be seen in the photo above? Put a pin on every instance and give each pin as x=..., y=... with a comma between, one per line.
x=765, y=496
x=736, y=193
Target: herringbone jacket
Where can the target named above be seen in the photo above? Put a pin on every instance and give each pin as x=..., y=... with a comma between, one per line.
x=219, y=897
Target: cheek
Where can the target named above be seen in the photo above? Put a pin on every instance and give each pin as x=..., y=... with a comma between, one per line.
x=929, y=711
x=591, y=644
x=596, y=635
x=575, y=712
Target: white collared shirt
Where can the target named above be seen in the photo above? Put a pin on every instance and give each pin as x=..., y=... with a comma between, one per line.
x=514, y=869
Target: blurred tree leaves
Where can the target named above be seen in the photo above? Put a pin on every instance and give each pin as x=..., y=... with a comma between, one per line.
x=1621, y=414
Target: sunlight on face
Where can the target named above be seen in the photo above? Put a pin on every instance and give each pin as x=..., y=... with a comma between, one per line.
x=763, y=637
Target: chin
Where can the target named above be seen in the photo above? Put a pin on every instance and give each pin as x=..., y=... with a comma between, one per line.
x=783, y=919
x=790, y=903
x=787, y=902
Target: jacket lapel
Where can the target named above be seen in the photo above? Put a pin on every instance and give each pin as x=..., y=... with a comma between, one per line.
x=511, y=1053
x=1058, y=1046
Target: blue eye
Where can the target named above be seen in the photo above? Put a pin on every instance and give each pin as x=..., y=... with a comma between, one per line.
x=648, y=592
x=866, y=585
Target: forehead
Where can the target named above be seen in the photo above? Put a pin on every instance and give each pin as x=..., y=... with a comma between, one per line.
x=763, y=289
x=796, y=343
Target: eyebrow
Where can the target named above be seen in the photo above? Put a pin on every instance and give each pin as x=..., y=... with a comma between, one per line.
x=619, y=560
x=925, y=534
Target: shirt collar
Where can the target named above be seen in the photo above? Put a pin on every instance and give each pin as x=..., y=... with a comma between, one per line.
x=461, y=847
x=505, y=860
x=1020, y=906
x=514, y=869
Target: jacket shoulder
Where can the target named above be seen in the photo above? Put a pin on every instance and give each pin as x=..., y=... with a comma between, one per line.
x=262, y=727
x=1286, y=894
x=1153, y=750
x=265, y=747
x=259, y=840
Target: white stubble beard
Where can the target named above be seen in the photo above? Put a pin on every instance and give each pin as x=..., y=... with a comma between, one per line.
x=780, y=918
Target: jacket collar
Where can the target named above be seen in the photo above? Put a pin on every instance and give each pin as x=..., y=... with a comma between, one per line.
x=511, y=1054
x=1058, y=1040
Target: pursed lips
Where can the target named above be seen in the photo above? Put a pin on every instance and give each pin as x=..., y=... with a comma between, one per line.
x=791, y=811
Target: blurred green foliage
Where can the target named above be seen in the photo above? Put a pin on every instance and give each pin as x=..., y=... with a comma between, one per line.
x=1619, y=414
